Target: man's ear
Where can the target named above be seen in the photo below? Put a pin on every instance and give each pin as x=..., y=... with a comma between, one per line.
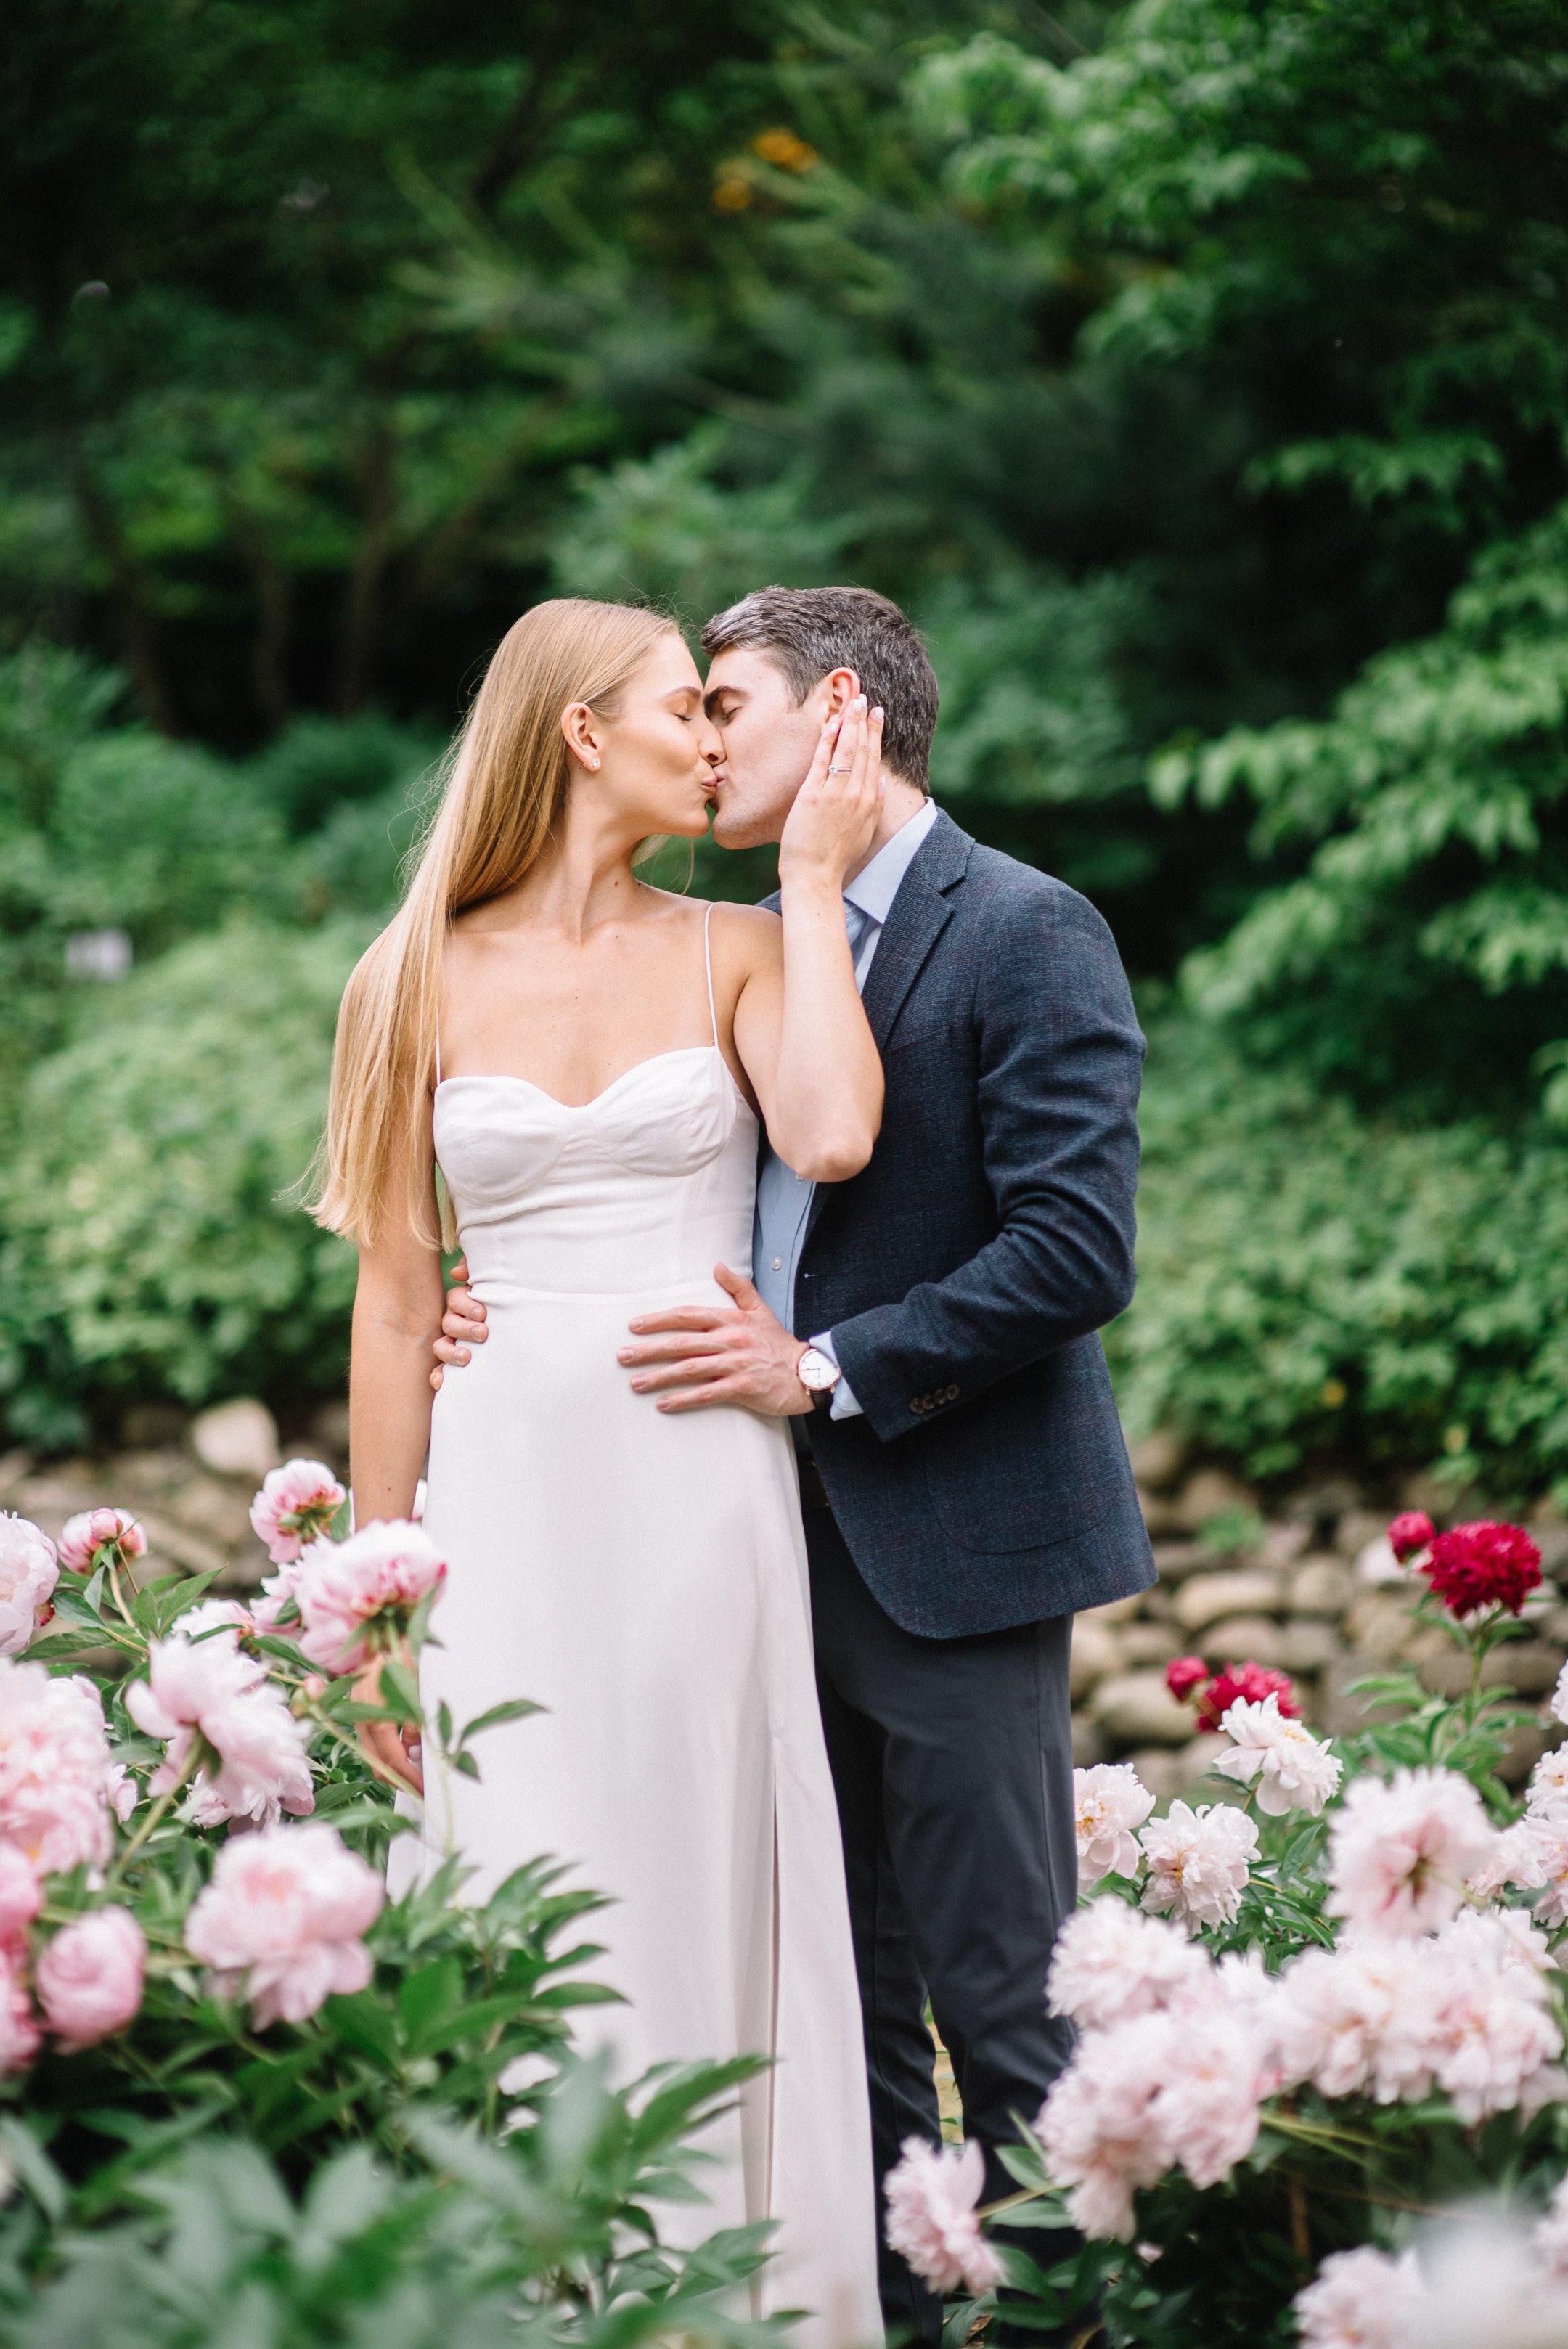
x=843, y=685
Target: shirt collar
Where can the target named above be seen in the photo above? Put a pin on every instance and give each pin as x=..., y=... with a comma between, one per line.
x=876, y=886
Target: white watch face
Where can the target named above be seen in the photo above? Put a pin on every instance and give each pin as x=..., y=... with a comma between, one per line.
x=815, y=1371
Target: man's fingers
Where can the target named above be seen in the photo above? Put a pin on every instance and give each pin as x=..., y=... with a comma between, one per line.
x=696, y=1398
x=459, y=1272
x=740, y=1287
x=448, y=1350
x=693, y=1370
x=681, y=1345
x=679, y=1317
x=464, y=1331
x=436, y=1377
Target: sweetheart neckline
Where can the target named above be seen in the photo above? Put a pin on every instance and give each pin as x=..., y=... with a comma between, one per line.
x=680, y=1052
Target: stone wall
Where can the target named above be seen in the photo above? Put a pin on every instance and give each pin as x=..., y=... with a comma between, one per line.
x=1310, y=1588
x=1308, y=1585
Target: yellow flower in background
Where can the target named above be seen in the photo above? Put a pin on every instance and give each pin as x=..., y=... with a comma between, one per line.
x=1332, y=1394
x=783, y=147
x=733, y=193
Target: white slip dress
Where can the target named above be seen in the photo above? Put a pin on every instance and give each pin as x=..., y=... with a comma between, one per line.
x=642, y=1575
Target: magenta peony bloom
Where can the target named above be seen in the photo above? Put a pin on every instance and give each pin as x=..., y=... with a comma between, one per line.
x=1483, y=1565
x=89, y=1977
x=1401, y=1855
x=1199, y=1863
x=1108, y=1802
x=1362, y=2300
x=356, y=1596
x=1249, y=1684
x=209, y=1688
x=1410, y=1531
x=1185, y=1674
x=95, y=1531
x=296, y=1503
x=932, y=2198
x=53, y=1756
x=282, y=1920
x=21, y=1894
x=29, y=1573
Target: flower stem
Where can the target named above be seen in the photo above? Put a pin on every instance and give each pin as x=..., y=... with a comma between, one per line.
x=158, y=1813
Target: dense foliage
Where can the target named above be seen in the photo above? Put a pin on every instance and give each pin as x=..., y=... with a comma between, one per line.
x=1193, y=370
x=242, y=2095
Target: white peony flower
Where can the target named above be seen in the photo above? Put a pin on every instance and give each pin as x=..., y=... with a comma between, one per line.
x=1361, y=2300
x=1108, y=1803
x=1293, y=1770
x=1198, y=1862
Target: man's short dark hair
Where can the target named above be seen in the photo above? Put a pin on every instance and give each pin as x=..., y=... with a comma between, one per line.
x=810, y=630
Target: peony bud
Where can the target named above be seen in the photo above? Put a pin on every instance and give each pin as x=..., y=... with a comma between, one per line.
x=93, y=1531
x=1185, y=1674
x=1410, y=1531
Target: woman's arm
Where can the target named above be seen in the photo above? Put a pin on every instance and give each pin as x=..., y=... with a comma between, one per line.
x=397, y=1317
x=800, y=1030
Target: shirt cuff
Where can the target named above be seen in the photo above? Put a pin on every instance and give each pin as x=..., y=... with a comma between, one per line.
x=844, y=1404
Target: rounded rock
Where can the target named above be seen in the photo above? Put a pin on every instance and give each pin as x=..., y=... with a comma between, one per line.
x=236, y=1438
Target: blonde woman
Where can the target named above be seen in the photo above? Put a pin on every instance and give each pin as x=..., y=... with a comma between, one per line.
x=585, y=1060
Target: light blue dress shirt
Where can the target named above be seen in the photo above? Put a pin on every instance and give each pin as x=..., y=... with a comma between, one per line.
x=783, y=1197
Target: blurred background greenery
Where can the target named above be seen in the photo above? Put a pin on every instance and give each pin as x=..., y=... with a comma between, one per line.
x=1194, y=372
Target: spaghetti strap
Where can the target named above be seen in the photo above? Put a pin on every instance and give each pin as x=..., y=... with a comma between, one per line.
x=438, y=1056
x=707, y=959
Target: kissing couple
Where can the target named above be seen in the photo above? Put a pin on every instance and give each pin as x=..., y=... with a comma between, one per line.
x=775, y=1447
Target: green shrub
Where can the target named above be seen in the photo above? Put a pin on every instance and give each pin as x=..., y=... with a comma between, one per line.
x=1316, y=1284
x=146, y=1242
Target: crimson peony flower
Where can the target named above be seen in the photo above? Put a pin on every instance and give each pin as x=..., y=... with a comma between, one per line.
x=1483, y=1565
x=1185, y=1674
x=1251, y=1683
x=1411, y=1530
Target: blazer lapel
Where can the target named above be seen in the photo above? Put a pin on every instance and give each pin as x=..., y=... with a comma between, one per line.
x=916, y=920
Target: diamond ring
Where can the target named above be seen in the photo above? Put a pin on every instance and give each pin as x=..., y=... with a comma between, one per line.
x=841, y=769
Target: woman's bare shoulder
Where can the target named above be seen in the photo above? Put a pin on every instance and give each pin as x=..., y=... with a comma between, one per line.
x=748, y=937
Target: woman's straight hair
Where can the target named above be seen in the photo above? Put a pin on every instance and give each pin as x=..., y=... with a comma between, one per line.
x=506, y=783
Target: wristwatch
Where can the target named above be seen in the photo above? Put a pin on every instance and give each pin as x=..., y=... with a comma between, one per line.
x=818, y=1374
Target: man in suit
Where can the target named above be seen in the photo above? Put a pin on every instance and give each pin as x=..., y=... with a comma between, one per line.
x=930, y=1329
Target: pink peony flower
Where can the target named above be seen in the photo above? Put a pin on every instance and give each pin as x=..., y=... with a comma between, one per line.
x=931, y=2198
x=1251, y=1683
x=1108, y=1802
x=1548, y=1779
x=1560, y=1698
x=29, y=1573
x=1361, y=2300
x=210, y=1688
x=1344, y=2016
x=1410, y=1531
x=1515, y=1859
x=296, y=1503
x=1400, y=1854
x=89, y=1977
x=1111, y=1964
x=1183, y=2085
x=349, y=1591
x=19, y=2032
x=120, y=1791
x=1198, y=1863
x=53, y=1756
x=94, y=1530
x=21, y=1894
x=1488, y=2033
x=1292, y=1770
x=1184, y=1675
x=281, y=1921
x=1483, y=1565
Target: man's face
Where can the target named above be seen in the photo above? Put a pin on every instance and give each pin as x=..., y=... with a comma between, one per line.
x=769, y=740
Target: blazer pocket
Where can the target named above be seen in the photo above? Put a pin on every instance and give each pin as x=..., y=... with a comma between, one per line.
x=933, y=1034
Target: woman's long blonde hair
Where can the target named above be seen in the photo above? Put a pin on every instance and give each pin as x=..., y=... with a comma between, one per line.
x=506, y=781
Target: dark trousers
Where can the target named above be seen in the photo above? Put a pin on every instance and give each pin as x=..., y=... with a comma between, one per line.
x=952, y=1763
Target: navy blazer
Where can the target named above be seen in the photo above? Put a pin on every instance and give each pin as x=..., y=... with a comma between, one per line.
x=965, y=1272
